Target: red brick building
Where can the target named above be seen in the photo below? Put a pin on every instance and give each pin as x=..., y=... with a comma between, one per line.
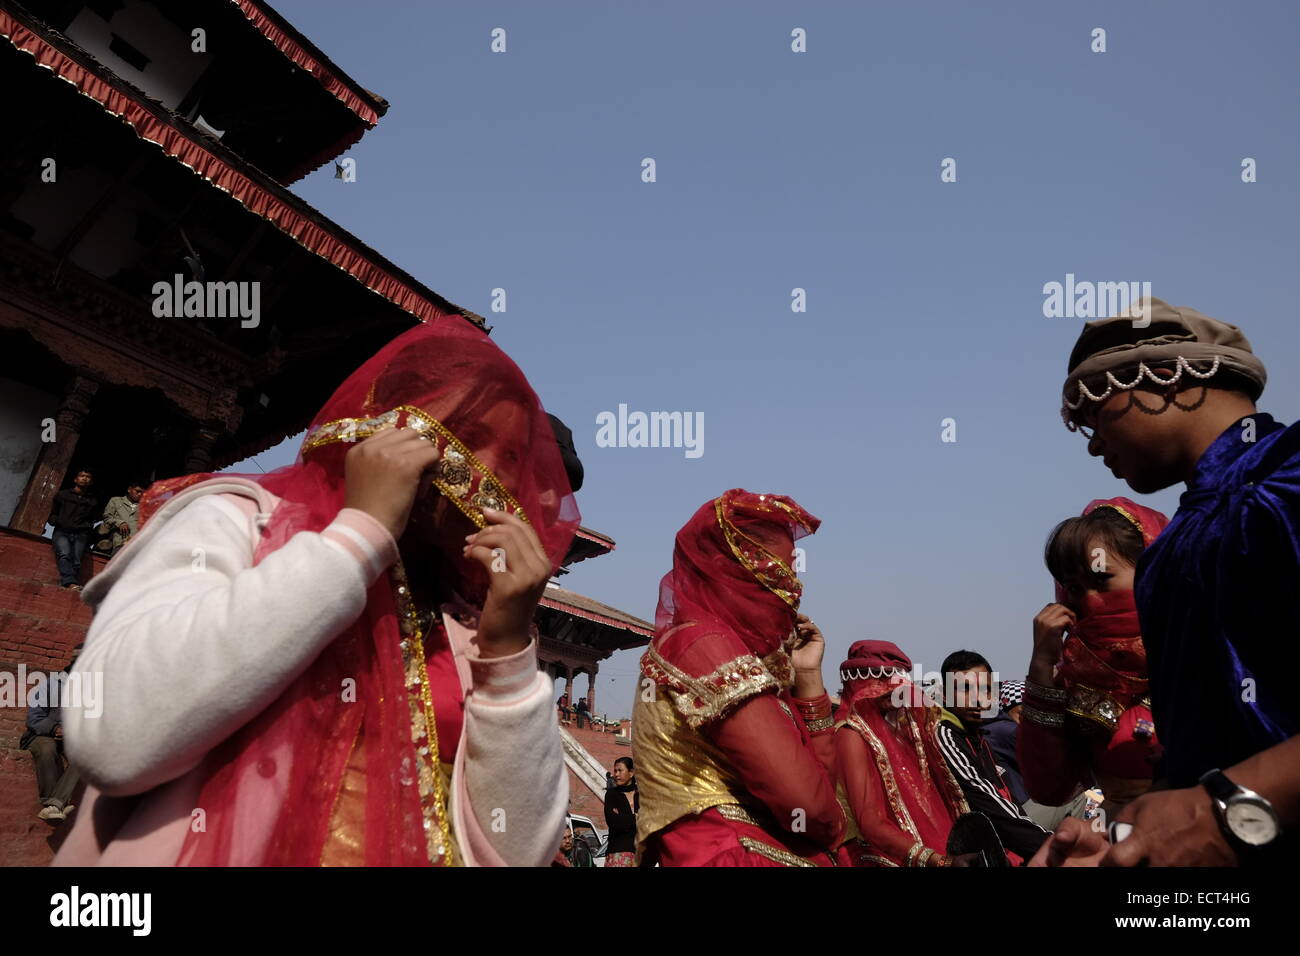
x=154, y=141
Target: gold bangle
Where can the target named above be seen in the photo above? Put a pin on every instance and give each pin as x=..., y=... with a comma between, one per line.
x=1044, y=692
x=1042, y=717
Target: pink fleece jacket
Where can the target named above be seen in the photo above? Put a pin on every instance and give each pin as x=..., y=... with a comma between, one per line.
x=193, y=641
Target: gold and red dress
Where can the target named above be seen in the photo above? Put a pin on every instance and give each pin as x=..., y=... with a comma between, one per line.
x=732, y=769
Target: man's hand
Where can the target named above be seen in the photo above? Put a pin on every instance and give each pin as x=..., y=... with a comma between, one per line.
x=382, y=474
x=1172, y=828
x=518, y=569
x=1074, y=843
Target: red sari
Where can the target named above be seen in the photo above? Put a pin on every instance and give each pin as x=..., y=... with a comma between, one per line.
x=902, y=795
x=732, y=770
x=1099, y=722
x=365, y=780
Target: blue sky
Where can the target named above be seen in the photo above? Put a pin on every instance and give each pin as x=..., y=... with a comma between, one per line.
x=820, y=170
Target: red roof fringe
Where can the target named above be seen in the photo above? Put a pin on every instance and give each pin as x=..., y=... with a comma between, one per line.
x=291, y=48
x=253, y=196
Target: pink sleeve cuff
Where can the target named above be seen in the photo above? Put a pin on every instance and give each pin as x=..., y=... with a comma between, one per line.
x=360, y=535
x=503, y=680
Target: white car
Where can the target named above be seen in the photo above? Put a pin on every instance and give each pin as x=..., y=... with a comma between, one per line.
x=583, y=829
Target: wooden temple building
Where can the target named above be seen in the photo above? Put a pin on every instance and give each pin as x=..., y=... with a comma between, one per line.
x=152, y=140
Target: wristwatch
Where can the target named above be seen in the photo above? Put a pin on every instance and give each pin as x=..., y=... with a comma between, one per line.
x=1247, y=819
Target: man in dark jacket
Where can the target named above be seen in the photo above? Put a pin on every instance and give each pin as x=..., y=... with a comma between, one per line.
x=1001, y=733
x=73, y=517
x=965, y=747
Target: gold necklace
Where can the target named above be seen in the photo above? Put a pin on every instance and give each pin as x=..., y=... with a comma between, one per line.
x=424, y=728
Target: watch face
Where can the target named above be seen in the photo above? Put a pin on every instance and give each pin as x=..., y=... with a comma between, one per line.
x=1250, y=823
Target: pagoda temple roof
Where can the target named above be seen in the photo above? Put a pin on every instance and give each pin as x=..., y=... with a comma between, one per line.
x=588, y=544
x=593, y=624
x=303, y=53
x=210, y=159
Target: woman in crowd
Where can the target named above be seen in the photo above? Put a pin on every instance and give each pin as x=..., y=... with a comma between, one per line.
x=1086, y=717
x=622, y=803
x=732, y=727
x=334, y=661
x=902, y=795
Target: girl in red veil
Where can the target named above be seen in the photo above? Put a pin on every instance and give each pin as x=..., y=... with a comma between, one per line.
x=893, y=776
x=732, y=728
x=333, y=662
x=1086, y=717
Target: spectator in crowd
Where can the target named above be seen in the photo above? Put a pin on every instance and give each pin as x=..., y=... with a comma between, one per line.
x=572, y=851
x=119, y=520
x=903, y=797
x=584, y=713
x=1087, y=712
x=55, y=778
x=73, y=518
x=622, y=803
x=1002, y=731
x=564, y=710
x=966, y=748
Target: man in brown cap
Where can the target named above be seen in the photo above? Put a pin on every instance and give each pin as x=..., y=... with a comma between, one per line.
x=1173, y=400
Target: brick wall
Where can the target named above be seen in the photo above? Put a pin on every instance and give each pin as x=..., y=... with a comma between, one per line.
x=40, y=624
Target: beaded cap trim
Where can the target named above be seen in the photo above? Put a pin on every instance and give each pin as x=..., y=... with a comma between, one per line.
x=868, y=673
x=459, y=475
x=1181, y=365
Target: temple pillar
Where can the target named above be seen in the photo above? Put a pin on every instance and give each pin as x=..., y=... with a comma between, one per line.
x=199, y=457
x=54, y=457
x=591, y=688
x=568, y=684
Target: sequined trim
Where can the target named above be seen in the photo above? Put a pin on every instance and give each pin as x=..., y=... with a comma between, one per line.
x=1132, y=520
x=901, y=816
x=702, y=699
x=737, y=814
x=1042, y=717
x=429, y=774
x=770, y=571
x=1043, y=692
x=1094, y=705
x=459, y=475
x=818, y=724
x=775, y=854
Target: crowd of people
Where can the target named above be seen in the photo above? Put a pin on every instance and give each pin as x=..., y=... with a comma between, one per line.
x=76, y=518
x=351, y=676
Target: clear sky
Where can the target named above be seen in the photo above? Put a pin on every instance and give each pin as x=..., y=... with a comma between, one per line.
x=821, y=170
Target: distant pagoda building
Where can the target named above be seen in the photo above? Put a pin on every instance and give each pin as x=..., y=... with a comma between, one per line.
x=151, y=142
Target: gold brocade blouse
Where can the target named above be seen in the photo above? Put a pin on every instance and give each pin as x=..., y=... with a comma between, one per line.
x=679, y=771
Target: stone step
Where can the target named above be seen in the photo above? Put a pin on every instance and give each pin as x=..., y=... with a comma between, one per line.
x=25, y=839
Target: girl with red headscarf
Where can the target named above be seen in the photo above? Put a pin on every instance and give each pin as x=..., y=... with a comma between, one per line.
x=1086, y=717
x=732, y=729
x=334, y=661
x=893, y=776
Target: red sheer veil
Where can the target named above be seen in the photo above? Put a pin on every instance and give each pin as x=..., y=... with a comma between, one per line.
x=732, y=577
x=923, y=796
x=272, y=785
x=1104, y=649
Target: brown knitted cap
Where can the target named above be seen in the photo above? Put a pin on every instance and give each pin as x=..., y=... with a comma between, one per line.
x=1110, y=352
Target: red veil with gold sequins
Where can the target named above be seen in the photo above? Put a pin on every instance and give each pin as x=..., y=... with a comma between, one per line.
x=499, y=451
x=732, y=579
